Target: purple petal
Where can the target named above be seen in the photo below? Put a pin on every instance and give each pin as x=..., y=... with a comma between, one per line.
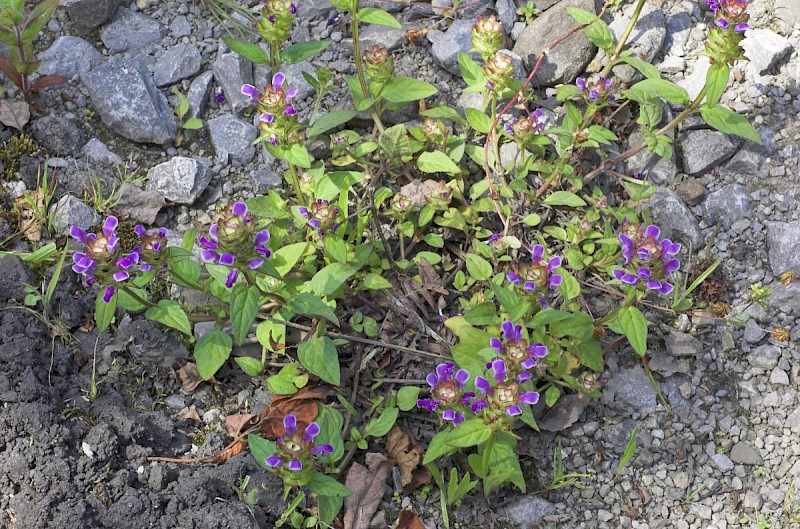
x=448, y=415
x=496, y=344
x=537, y=350
x=555, y=280
x=528, y=397
x=644, y=273
x=666, y=288
x=445, y=371
x=227, y=259
x=250, y=91
x=458, y=419
x=267, y=118
x=741, y=27
x=618, y=274
x=255, y=263
x=529, y=285
x=303, y=211
x=214, y=231
x=290, y=424
x=652, y=231
x=513, y=411
x=671, y=266
x=513, y=278
x=109, y=293
x=653, y=285
x=466, y=396
x=209, y=243
x=239, y=209
x=289, y=111
x=290, y=94
x=314, y=223
x=581, y=83
x=432, y=380
x=553, y=263
x=630, y=279
x=277, y=80
x=462, y=375
x=478, y=405
x=528, y=363
x=110, y=225
x=537, y=253
x=209, y=255
x=261, y=238
x=499, y=370
x=232, y=276
x=77, y=233
x=428, y=404
x=122, y=275
x=509, y=331
x=482, y=385
x=522, y=377
x=139, y=230
x=273, y=461
x=321, y=450
x=295, y=465
x=311, y=433
x=721, y=22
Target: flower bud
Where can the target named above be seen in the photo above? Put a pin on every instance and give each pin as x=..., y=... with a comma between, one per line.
x=275, y=25
x=780, y=334
x=723, y=44
x=498, y=72
x=379, y=64
x=788, y=277
x=487, y=36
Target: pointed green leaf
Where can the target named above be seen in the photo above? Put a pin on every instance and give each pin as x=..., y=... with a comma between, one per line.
x=634, y=325
x=331, y=120
x=729, y=122
x=301, y=51
x=244, y=308
x=211, y=352
x=171, y=314
x=403, y=89
x=252, y=52
x=372, y=15
x=319, y=356
x=437, y=162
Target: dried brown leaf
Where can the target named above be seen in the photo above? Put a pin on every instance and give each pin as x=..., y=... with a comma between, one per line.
x=236, y=423
x=227, y=453
x=368, y=485
x=190, y=377
x=430, y=279
x=409, y=520
x=405, y=453
x=31, y=224
x=15, y=113
x=302, y=405
x=191, y=415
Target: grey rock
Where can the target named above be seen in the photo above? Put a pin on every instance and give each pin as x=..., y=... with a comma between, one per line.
x=793, y=421
x=779, y=377
x=691, y=191
x=231, y=72
x=320, y=9
x=180, y=180
x=722, y=462
x=129, y=103
x=390, y=38
x=88, y=15
x=788, y=12
x=132, y=34
x=729, y=203
x=469, y=100
x=566, y=412
x=701, y=511
x=179, y=62
x=14, y=275
x=781, y=240
x=667, y=365
x=506, y=14
x=744, y=454
x=96, y=151
x=70, y=57
x=764, y=356
x=680, y=406
x=746, y=161
x=695, y=81
x=565, y=62
x=529, y=510
x=265, y=179
x=199, y=92
x=786, y=297
x=446, y=45
x=295, y=79
x=679, y=25
x=139, y=205
x=676, y=221
x=657, y=169
x=180, y=27
x=70, y=211
x=232, y=138
x=682, y=344
x=764, y=48
x=58, y=134
x=753, y=333
x=702, y=150
x=633, y=388
x=645, y=41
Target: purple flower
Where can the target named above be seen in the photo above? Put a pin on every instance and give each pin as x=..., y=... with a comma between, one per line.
x=274, y=461
x=447, y=393
x=250, y=91
x=648, y=261
x=219, y=97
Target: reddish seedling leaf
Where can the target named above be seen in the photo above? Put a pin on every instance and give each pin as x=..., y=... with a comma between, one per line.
x=236, y=423
x=405, y=453
x=368, y=485
x=409, y=520
x=46, y=81
x=229, y=452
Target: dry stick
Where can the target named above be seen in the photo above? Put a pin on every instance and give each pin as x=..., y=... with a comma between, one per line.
x=518, y=97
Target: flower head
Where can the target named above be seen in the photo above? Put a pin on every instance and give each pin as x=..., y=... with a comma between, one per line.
x=515, y=352
x=598, y=90
x=447, y=393
x=487, y=36
x=277, y=117
x=293, y=458
x=321, y=216
x=501, y=397
x=379, y=64
x=499, y=72
x=723, y=44
x=537, y=276
x=276, y=21
x=648, y=261
x=525, y=128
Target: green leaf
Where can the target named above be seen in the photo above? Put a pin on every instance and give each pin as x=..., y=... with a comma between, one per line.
x=287, y=256
x=248, y=50
x=443, y=112
x=634, y=325
x=250, y=365
x=261, y=449
x=330, y=431
x=325, y=485
x=579, y=325
x=471, y=71
x=310, y=305
x=591, y=355
x=372, y=15
x=183, y=103
x=301, y=51
x=484, y=313
x=437, y=162
x=503, y=465
x=407, y=397
x=403, y=89
x=478, y=267
x=171, y=314
x=373, y=281
x=211, y=352
x=283, y=383
x=381, y=426
x=329, y=121
x=548, y=316
x=128, y=302
x=319, y=356
x=552, y=395
x=569, y=287
x=716, y=81
x=328, y=280
x=598, y=32
x=38, y=18
x=646, y=69
x=478, y=120
x=564, y=198
x=664, y=89
x=193, y=124
x=104, y=312
x=438, y=447
x=471, y=432
x=244, y=308
x=329, y=507
x=729, y=122
x=630, y=450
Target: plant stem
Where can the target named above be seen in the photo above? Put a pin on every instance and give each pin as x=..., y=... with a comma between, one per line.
x=189, y=283
x=624, y=39
x=359, y=61
x=296, y=184
x=137, y=297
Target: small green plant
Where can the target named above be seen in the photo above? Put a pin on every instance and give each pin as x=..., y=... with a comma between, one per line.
x=96, y=196
x=452, y=492
x=181, y=109
x=529, y=11
x=19, y=27
x=692, y=493
x=791, y=504
x=248, y=497
x=560, y=479
x=627, y=455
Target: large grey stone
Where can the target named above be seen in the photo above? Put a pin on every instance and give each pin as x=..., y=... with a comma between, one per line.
x=179, y=62
x=753, y=333
x=786, y=297
x=199, y=92
x=746, y=161
x=58, y=134
x=744, y=454
x=129, y=103
x=529, y=510
x=231, y=71
x=782, y=251
x=682, y=344
x=566, y=412
x=88, y=15
x=97, y=152
x=645, y=41
x=676, y=221
x=69, y=56
x=729, y=204
x=679, y=25
x=132, y=34
x=446, y=45
x=764, y=356
x=633, y=388
x=180, y=180
x=788, y=13
x=702, y=150
x=70, y=211
x=695, y=81
x=723, y=463
x=390, y=38
x=566, y=61
x=232, y=138
x=764, y=48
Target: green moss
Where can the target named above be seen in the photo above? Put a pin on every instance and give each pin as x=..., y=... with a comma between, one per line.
x=17, y=145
